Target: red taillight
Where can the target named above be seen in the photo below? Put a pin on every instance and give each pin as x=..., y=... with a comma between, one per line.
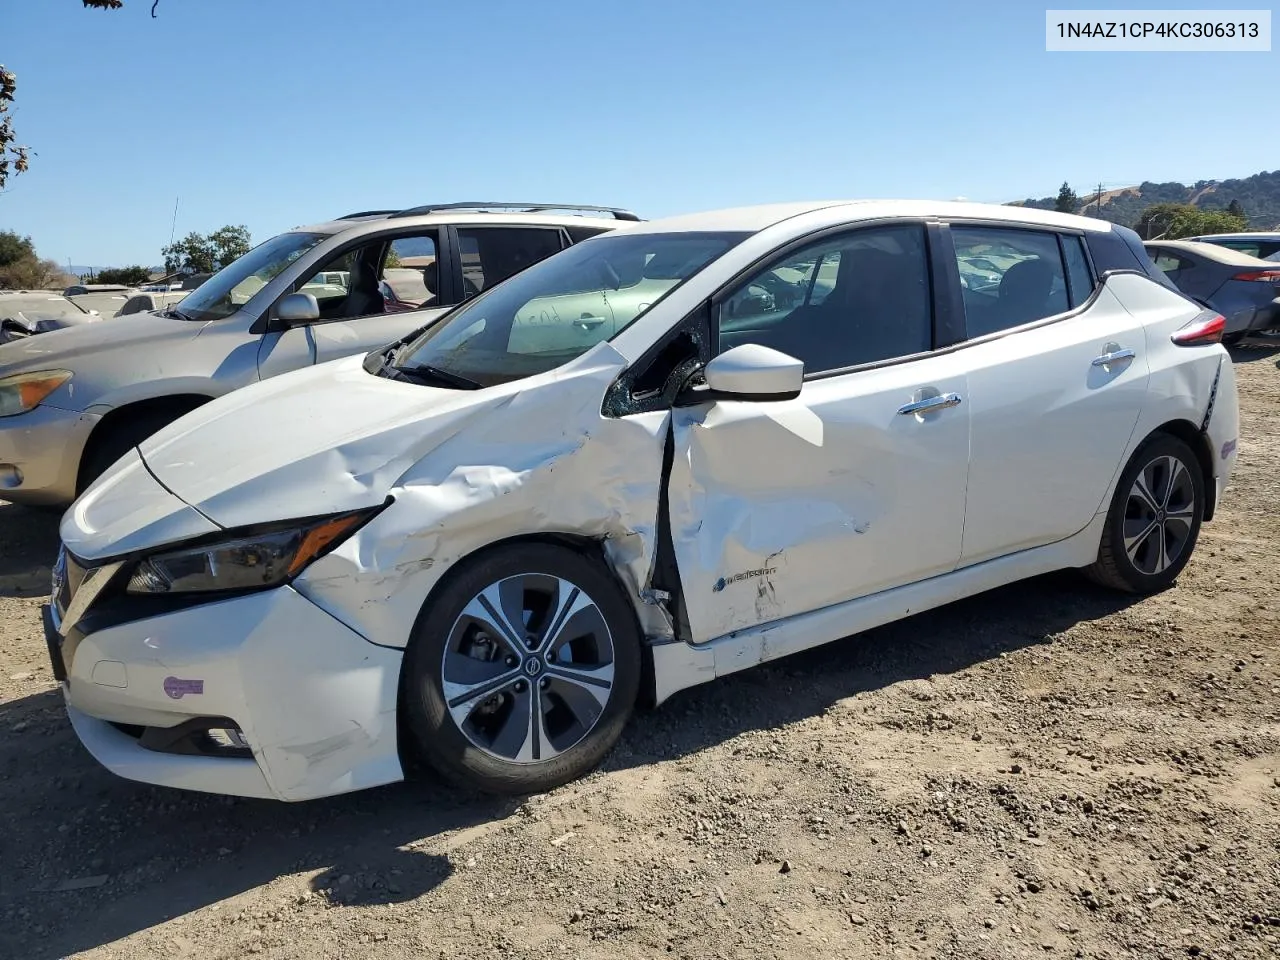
x=1261, y=276
x=1203, y=330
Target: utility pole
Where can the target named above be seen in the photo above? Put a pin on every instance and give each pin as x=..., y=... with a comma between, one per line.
x=1097, y=202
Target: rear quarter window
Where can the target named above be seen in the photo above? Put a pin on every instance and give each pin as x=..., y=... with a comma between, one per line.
x=578, y=234
x=1121, y=249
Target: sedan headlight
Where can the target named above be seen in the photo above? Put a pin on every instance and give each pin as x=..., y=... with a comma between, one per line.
x=25, y=391
x=251, y=562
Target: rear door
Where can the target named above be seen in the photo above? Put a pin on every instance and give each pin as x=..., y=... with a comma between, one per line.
x=1057, y=373
x=781, y=508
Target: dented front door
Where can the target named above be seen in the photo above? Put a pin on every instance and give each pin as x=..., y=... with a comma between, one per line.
x=781, y=508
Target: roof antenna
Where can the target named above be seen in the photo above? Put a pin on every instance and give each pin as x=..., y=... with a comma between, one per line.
x=174, y=225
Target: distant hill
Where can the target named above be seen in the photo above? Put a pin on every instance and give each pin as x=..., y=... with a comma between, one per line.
x=1258, y=194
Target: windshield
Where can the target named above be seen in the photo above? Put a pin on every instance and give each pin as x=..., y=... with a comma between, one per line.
x=232, y=287
x=560, y=308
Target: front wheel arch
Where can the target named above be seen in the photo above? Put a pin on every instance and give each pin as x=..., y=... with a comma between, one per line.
x=414, y=767
x=157, y=410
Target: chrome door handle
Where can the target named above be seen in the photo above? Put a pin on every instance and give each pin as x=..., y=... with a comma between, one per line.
x=930, y=404
x=1115, y=356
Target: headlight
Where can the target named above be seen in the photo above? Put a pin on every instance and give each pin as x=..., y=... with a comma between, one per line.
x=246, y=563
x=24, y=391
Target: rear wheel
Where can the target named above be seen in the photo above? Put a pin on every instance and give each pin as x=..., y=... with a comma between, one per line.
x=523, y=671
x=1154, y=519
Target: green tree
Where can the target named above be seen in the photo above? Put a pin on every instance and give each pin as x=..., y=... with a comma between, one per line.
x=32, y=273
x=14, y=247
x=21, y=268
x=1067, y=201
x=129, y=276
x=1172, y=221
x=199, y=253
x=1236, y=209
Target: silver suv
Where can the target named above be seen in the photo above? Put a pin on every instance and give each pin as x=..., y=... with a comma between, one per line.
x=74, y=401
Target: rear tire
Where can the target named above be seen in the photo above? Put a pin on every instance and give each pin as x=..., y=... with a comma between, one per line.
x=523, y=671
x=1154, y=519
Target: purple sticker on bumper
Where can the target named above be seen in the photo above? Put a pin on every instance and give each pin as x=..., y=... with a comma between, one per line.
x=177, y=688
x=1228, y=449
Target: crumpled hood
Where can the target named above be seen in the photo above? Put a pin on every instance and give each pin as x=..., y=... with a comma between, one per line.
x=125, y=511
x=60, y=347
x=315, y=441
x=34, y=321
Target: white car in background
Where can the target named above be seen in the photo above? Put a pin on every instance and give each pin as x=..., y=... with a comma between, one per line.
x=476, y=546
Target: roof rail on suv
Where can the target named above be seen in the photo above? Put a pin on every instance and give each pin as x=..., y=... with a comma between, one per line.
x=360, y=214
x=615, y=212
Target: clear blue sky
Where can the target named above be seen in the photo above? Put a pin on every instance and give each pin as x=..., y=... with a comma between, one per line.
x=284, y=112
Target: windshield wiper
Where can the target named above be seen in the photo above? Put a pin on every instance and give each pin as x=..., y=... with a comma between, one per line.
x=421, y=372
x=175, y=314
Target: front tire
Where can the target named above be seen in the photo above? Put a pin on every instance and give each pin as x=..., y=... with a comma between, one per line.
x=1154, y=519
x=523, y=671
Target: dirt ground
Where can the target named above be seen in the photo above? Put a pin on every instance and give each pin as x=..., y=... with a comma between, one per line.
x=1045, y=770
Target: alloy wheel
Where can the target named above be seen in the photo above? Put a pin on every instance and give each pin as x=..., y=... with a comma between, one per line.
x=1159, y=515
x=528, y=668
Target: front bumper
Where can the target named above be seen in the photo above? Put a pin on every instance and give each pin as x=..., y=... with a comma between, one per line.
x=40, y=454
x=315, y=701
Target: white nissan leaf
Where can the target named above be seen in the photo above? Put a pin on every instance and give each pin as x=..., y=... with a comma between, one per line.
x=663, y=455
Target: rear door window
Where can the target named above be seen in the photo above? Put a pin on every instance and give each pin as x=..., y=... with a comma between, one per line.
x=492, y=254
x=1170, y=264
x=1009, y=276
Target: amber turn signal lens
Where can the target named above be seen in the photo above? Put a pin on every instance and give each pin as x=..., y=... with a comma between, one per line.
x=317, y=538
x=25, y=391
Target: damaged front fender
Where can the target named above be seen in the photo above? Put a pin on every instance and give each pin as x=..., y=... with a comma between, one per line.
x=542, y=461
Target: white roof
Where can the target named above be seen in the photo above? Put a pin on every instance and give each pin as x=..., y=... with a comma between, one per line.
x=463, y=219
x=1247, y=235
x=757, y=218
